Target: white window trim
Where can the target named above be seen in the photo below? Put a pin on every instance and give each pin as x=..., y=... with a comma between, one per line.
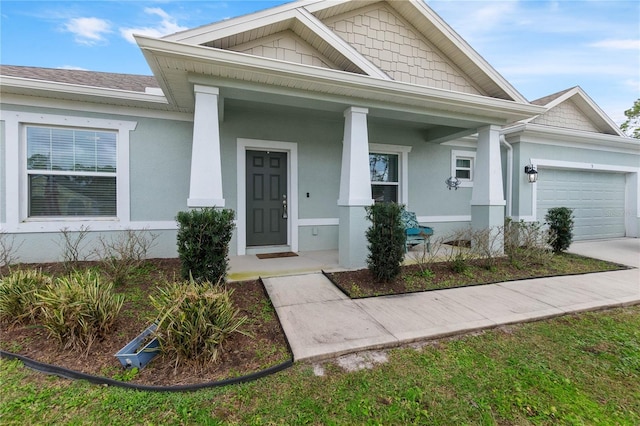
x=16, y=173
x=455, y=154
x=291, y=148
x=402, y=151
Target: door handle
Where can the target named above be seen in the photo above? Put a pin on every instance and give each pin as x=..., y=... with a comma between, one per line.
x=284, y=206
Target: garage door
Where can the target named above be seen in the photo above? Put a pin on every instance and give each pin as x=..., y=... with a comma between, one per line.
x=597, y=200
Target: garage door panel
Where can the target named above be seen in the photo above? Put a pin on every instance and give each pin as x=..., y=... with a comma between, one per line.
x=597, y=200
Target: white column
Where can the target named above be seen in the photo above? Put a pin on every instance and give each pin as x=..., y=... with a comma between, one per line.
x=355, y=185
x=487, y=200
x=487, y=179
x=205, y=187
x=355, y=189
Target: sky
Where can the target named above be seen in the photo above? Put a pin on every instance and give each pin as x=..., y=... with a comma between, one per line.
x=539, y=46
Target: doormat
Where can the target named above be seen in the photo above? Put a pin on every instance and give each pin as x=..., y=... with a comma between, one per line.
x=276, y=255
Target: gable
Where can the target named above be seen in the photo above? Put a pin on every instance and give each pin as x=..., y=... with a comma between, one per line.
x=385, y=38
x=569, y=116
x=285, y=46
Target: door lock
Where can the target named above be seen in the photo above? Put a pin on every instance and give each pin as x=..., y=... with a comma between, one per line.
x=284, y=206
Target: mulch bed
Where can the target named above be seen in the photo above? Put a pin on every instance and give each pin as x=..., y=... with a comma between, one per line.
x=241, y=355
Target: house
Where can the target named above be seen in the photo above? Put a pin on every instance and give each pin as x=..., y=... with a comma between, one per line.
x=298, y=117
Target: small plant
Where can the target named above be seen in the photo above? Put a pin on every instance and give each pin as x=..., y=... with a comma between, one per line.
x=487, y=245
x=8, y=249
x=79, y=308
x=526, y=243
x=194, y=319
x=73, y=245
x=203, y=243
x=123, y=254
x=459, y=253
x=386, y=241
x=560, y=221
x=17, y=295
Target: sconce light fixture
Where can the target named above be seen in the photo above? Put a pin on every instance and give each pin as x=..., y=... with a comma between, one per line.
x=453, y=182
x=532, y=173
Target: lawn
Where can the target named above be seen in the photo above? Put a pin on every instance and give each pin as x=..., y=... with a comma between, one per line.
x=575, y=369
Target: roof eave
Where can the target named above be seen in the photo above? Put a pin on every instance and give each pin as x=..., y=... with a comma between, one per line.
x=364, y=86
x=571, y=135
x=18, y=85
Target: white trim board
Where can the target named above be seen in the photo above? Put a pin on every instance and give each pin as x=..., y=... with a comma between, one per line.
x=291, y=148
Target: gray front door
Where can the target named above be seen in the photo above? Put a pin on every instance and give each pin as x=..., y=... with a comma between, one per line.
x=266, y=198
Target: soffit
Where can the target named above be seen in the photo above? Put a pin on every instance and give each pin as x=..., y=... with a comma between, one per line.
x=178, y=66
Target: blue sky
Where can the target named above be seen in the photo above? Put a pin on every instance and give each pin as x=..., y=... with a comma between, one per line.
x=541, y=47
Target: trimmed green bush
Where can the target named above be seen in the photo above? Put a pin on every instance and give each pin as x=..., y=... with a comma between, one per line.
x=203, y=243
x=194, y=320
x=17, y=295
x=560, y=221
x=78, y=309
x=386, y=239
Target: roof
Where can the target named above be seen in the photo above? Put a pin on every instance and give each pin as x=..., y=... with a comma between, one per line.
x=586, y=105
x=129, y=82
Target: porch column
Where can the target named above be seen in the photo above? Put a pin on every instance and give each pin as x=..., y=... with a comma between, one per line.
x=487, y=200
x=355, y=189
x=205, y=188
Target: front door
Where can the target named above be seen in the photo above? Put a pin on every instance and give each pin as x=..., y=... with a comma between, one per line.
x=266, y=198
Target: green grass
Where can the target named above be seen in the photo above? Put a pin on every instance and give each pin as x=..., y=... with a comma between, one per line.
x=577, y=369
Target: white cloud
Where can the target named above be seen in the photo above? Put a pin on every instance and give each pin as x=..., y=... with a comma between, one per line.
x=88, y=31
x=167, y=25
x=624, y=44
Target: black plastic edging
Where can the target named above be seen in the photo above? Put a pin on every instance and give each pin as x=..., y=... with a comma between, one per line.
x=76, y=375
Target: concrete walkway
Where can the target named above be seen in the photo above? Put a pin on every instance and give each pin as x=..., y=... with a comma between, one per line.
x=321, y=322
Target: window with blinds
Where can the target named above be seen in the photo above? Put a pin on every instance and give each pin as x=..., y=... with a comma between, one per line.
x=71, y=172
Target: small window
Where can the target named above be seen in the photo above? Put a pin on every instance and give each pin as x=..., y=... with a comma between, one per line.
x=384, y=177
x=71, y=172
x=462, y=166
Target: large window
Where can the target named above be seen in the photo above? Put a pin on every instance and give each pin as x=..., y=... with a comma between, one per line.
x=384, y=177
x=71, y=172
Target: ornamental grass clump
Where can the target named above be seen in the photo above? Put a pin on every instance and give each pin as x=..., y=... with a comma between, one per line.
x=194, y=319
x=17, y=295
x=78, y=309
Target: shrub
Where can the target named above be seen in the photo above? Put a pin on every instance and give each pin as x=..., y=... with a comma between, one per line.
x=560, y=221
x=386, y=241
x=78, y=308
x=526, y=242
x=73, y=246
x=487, y=245
x=124, y=253
x=17, y=295
x=459, y=252
x=8, y=249
x=194, y=319
x=203, y=243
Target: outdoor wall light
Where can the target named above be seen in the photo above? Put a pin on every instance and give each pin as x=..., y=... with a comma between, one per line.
x=532, y=173
x=453, y=182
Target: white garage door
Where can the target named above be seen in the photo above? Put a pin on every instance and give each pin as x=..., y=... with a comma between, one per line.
x=597, y=200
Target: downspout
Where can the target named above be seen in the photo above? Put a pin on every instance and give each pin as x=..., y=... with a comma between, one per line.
x=503, y=141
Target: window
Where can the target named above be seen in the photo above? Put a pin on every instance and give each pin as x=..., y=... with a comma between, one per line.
x=462, y=166
x=71, y=172
x=384, y=177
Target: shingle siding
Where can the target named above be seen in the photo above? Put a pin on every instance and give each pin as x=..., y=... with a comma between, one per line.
x=393, y=45
x=568, y=116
